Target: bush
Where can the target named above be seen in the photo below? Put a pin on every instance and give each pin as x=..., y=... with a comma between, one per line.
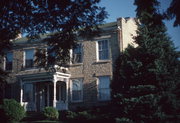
x=123, y=120
x=71, y=115
x=12, y=110
x=84, y=115
x=81, y=117
x=51, y=113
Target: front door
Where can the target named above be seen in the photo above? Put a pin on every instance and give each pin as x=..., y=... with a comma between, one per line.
x=41, y=96
x=61, y=96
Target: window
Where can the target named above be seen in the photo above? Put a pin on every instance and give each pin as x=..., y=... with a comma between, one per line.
x=61, y=92
x=29, y=58
x=51, y=56
x=77, y=53
x=28, y=93
x=103, y=50
x=104, y=88
x=77, y=90
x=9, y=59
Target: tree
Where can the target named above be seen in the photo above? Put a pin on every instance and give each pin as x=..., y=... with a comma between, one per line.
x=146, y=79
x=64, y=20
x=173, y=12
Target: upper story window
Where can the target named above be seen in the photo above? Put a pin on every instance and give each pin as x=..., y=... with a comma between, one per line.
x=103, y=50
x=9, y=60
x=77, y=90
x=104, y=88
x=77, y=54
x=51, y=56
x=29, y=58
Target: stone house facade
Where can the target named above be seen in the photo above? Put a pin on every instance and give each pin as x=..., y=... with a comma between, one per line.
x=84, y=83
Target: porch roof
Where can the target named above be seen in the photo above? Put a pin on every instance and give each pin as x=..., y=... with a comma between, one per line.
x=44, y=77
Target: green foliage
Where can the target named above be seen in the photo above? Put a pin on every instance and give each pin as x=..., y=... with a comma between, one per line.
x=147, y=77
x=123, y=120
x=70, y=115
x=13, y=111
x=173, y=12
x=51, y=113
x=84, y=115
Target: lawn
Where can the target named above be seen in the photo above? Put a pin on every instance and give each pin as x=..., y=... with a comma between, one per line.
x=42, y=121
x=35, y=117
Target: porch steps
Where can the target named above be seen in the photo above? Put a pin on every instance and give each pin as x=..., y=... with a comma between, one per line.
x=33, y=116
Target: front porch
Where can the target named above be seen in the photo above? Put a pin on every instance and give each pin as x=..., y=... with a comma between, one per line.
x=44, y=89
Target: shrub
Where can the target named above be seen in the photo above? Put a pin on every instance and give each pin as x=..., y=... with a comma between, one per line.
x=12, y=110
x=123, y=120
x=71, y=115
x=84, y=115
x=81, y=117
x=51, y=113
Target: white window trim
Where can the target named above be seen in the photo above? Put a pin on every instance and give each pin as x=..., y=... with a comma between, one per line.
x=97, y=83
x=97, y=51
x=76, y=101
x=4, y=61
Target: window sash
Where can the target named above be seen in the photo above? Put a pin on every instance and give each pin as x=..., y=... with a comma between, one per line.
x=9, y=59
x=29, y=63
x=76, y=95
x=8, y=65
x=77, y=90
x=104, y=94
x=103, y=50
x=29, y=58
x=104, y=88
x=77, y=54
x=28, y=93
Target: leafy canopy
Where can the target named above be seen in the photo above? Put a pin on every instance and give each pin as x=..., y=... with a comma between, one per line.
x=64, y=20
x=62, y=17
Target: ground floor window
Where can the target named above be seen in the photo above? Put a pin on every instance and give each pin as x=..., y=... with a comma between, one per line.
x=77, y=90
x=61, y=92
x=103, y=88
x=28, y=92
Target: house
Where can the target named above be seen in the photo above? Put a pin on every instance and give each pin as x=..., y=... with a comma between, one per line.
x=83, y=83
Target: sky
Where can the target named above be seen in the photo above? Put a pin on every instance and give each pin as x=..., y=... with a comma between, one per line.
x=125, y=8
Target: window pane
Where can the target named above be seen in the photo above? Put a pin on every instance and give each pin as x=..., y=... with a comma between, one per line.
x=103, y=50
x=104, y=88
x=104, y=94
x=104, y=82
x=77, y=89
x=76, y=95
x=77, y=54
x=29, y=56
x=9, y=59
x=28, y=92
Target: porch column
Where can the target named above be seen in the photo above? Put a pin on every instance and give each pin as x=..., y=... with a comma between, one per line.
x=21, y=92
x=47, y=94
x=67, y=86
x=54, y=94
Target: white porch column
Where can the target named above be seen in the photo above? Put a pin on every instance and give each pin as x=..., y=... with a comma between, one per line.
x=54, y=94
x=67, y=86
x=21, y=93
